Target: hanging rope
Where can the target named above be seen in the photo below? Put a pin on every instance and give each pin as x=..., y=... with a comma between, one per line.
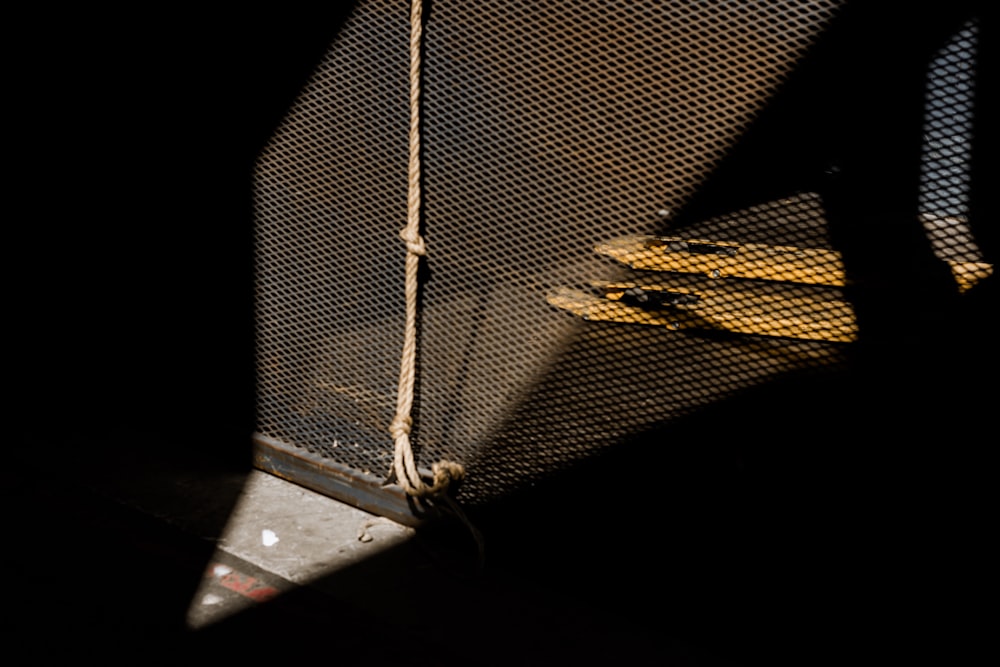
x=404, y=465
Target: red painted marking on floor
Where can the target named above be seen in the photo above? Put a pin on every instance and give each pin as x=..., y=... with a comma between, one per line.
x=245, y=585
x=262, y=593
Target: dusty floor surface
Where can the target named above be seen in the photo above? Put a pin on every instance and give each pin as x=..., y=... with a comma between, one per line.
x=129, y=555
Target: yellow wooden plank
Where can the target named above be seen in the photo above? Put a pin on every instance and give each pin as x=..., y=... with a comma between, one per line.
x=793, y=305
x=968, y=274
x=773, y=318
x=593, y=308
x=754, y=261
x=720, y=259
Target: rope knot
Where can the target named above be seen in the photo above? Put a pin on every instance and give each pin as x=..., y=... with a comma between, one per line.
x=400, y=426
x=414, y=242
x=446, y=472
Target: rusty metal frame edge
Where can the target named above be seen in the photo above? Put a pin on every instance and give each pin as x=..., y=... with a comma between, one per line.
x=336, y=481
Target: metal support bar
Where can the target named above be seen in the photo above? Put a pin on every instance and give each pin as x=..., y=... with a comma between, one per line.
x=336, y=481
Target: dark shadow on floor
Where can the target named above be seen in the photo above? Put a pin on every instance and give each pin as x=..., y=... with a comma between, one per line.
x=101, y=568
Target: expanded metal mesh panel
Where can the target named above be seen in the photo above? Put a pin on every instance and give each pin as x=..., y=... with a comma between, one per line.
x=945, y=179
x=566, y=304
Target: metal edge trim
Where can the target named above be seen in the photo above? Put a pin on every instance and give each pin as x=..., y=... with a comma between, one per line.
x=339, y=482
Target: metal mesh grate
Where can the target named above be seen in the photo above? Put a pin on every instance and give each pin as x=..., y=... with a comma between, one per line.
x=569, y=299
x=944, y=192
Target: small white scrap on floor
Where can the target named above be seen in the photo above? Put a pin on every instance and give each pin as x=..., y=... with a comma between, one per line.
x=318, y=536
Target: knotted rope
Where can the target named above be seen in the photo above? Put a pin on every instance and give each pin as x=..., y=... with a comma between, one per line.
x=404, y=465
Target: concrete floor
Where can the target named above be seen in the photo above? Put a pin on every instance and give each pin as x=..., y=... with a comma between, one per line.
x=141, y=547
x=127, y=554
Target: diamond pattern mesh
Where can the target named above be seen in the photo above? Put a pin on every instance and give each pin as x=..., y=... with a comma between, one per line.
x=551, y=128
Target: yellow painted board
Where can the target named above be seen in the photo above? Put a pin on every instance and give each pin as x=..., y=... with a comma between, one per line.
x=755, y=321
x=968, y=274
x=736, y=260
x=721, y=259
x=815, y=306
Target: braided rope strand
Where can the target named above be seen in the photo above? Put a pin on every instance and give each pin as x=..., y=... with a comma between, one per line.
x=404, y=464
